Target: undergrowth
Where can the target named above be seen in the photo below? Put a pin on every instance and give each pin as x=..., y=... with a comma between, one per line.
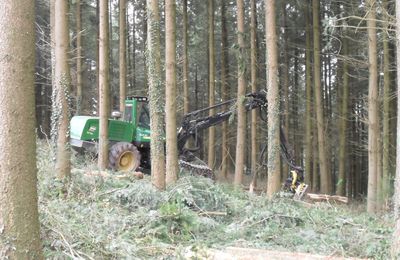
x=96, y=218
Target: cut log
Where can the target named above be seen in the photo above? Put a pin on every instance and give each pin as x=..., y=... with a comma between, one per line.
x=104, y=174
x=237, y=253
x=328, y=198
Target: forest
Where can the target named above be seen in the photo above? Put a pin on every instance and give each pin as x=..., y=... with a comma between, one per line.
x=215, y=129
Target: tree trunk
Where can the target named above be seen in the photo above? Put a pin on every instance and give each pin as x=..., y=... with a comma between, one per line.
x=19, y=221
x=373, y=121
x=78, y=58
x=274, y=174
x=156, y=95
x=308, y=138
x=224, y=87
x=341, y=183
x=172, y=168
x=325, y=176
x=386, y=112
x=61, y=113
x=254, y=118
x=186, y=107
x=122, y=55
x=241, y=111
x=211, y=86
x=396, y=198
x=104, y=88
x=285, y=86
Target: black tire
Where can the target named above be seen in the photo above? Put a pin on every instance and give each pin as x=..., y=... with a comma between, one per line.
x=124, y=157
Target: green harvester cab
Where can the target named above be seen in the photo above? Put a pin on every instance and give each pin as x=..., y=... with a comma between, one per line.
x=129, y=136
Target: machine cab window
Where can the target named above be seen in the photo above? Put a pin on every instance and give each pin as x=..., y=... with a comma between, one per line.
x=143, y=115
x=128, y=113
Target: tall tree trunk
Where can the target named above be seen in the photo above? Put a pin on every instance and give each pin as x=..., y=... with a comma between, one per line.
x=253, y=62
x=241, y=111
x=386, y=112
x=373, y=121
x=104, y=87
x=325, y=175
x=61, y=113
x=122, y=55
x=98, y=49
x=133, y=55
x=211, y=86
x=396, y=236
x=156, y=95
x=145, y=29
x=185, y=58
x=274, y=173
x=78, y=57
x=341, y=183
x=224, y=87
x=19, y=221
x=285, y=86
x=170, y=93
x=309, y=143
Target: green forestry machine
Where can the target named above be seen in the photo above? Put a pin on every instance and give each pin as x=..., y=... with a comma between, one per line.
x=129, y=136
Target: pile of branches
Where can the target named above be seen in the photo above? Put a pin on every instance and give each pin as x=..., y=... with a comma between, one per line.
x=121, y=218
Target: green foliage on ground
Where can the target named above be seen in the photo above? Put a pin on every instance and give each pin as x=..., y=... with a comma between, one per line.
x=95, y=218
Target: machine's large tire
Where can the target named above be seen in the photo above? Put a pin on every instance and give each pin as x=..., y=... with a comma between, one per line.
x=124, y=157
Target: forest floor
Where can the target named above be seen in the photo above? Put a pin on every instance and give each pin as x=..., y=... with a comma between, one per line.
x=108, y=218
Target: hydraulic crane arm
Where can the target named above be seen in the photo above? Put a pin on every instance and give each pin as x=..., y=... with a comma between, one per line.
x=199, y=120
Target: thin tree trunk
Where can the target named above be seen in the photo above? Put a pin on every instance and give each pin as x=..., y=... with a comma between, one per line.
x=186, y=107
x=386, y=112
x=62, y=89
x=172, y=167
x=122, y=55
x=19, y=221
x=241, y=112
x=224, y=87
x=156, y=95
x=373, y=121
x=341, y=183
x=396, y=235
x=211, y=86
x=274, y=174
x=104, y=88
x=78, y=57
x=253, y=62
x=285, y=86
x=145, y=22
x=308, y=139
x=325, y=175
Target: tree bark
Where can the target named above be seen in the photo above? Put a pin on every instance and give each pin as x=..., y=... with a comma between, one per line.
x=122, y=55
x=325, y=176
x=78, y=57
x=386, y=112
x=19, y=221
x=285, y=86
x=341, y=183
x=396, y=235
x=373, y=121
x=241, y=111
x=104, y=87
x=211, y=86
x=224, y=88
x=186, y=107
x=308, y=138
x=156, y=95
x=61, y=110
x=253, y=62
x=274, y=173
x=172, y=168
